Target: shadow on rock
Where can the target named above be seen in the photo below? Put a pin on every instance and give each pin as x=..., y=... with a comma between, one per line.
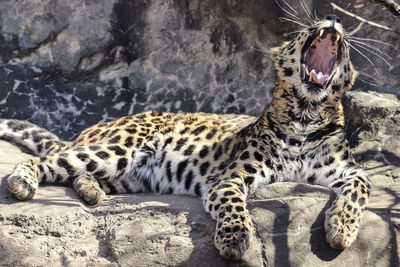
x=319, y=245
x=159, y=230
x=389, y=214
x=383, y=156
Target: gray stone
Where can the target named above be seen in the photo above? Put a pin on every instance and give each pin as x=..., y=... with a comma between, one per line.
x=55, y=32
x=216, y=50
x=66, y=65
x=373, y=121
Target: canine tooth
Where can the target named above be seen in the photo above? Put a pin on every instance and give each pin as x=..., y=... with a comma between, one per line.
x=310, y=78
x=321, y=32
x=308, y=73
x=337, y=37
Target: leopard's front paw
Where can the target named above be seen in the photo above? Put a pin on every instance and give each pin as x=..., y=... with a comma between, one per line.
x=342, y=221
x=21, y=187
x=232, y=239
x=89, y=189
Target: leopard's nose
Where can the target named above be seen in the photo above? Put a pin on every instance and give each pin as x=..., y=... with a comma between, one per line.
x=333, y=18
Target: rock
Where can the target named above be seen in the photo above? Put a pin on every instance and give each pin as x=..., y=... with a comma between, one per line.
x=147, y=230
x=66, y=65
x=375, y=115
x=373, y=121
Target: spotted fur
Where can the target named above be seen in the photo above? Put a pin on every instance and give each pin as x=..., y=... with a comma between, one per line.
x=220, y=158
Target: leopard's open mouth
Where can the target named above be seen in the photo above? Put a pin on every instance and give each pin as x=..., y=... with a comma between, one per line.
x=320, y=58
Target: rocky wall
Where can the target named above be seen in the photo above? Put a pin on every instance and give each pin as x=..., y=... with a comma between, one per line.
x=66, y=65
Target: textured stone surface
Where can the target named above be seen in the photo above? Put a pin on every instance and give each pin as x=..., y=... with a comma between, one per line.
x=67, y=64
x=55, y=228
x=373, y=121
x=143, y=230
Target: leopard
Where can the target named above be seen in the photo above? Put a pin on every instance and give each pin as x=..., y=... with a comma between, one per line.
x=221, y=158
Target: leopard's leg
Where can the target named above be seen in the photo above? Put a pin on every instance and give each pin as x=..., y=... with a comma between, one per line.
x=80, y=166
x=226, y=202
x=88, y=189
x=23, y=182
x=343, y=218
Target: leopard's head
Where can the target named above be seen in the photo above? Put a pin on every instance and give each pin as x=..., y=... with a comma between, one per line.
x=316, y=63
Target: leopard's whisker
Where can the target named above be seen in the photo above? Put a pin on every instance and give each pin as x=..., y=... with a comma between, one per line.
x=294, y=10
x=288, y=12
x=366, y=74
x=294, y=21
x=307, y=11
x=372, y=40
x=316, y=16
x=362, y=46
x=293, y=32
x=369, y=83
x=373, y=47
x=369, y=60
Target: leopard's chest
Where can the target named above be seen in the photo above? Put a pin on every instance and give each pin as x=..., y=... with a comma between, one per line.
x=297, y=158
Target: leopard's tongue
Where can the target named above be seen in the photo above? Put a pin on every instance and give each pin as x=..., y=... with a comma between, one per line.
x=318, y=78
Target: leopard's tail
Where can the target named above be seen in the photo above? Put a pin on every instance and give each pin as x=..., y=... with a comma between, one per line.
x=40, y=141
